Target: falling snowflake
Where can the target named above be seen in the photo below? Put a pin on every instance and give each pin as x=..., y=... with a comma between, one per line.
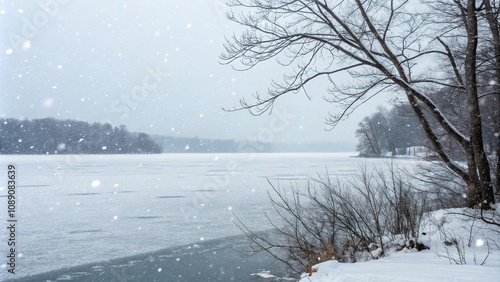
x=27, y=44
x=48, y=102
x=479, y=242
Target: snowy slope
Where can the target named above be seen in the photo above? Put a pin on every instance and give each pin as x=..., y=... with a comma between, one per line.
x=439, y=263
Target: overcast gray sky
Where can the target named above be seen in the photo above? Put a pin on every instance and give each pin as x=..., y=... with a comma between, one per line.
x=150, y=65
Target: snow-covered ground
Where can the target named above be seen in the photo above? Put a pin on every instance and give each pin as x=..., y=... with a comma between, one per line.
x=77, y=209
x=461, y=249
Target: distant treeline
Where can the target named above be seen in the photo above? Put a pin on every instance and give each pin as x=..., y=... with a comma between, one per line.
x=52, y=136
x=397, y=131
x=200, y=145
x=194, y=145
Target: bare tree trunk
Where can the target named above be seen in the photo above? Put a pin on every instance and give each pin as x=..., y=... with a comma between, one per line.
x=492, y=18
x=482, y=167
x=497, y=171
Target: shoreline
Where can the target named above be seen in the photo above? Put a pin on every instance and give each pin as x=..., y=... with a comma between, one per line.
x=212, y=260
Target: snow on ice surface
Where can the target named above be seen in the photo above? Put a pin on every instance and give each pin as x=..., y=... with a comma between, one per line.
x=267, y=276
x=78, y=209
x=264, y=274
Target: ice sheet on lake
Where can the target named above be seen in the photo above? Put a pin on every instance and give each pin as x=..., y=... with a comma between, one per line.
x=77, y=209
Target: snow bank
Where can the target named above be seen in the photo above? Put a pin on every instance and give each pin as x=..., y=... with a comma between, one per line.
x=461, y=249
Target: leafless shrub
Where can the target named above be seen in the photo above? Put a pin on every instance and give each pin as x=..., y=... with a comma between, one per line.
x=351, y=220
x=453, y=248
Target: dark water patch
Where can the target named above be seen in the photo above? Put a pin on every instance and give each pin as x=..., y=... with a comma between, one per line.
x=212, y=260
x=82, y=194
x=170, y=197
x=85, y=231
x=145, y=217
x=205, y=190
x=291, y=178
x=122, y=192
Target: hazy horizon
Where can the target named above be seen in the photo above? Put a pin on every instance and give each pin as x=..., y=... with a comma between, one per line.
x=153, y=67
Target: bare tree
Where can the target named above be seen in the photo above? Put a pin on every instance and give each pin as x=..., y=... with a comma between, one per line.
x=383, y=46
x=368, y=145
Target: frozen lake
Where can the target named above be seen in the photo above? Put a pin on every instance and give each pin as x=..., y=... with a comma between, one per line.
x=80, y=209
